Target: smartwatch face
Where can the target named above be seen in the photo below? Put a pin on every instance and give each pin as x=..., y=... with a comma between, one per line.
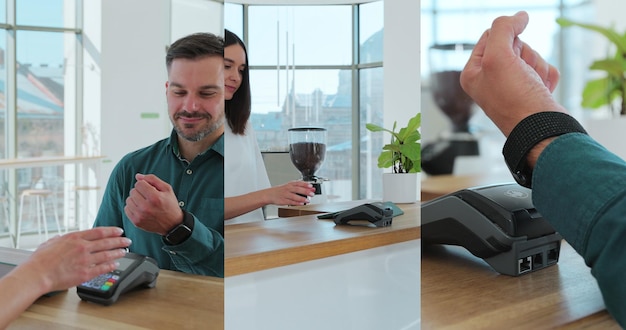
x=178, y=235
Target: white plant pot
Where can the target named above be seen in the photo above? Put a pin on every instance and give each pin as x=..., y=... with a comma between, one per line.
x=400, y=187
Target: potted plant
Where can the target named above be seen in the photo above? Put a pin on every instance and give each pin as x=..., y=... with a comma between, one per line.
x=402, y=155
x=610, y=89
x=607, y=91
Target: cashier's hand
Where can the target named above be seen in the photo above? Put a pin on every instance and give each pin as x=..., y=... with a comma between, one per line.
x=290, y=193
x=152, y=205
x=506, y=77
x=69, y=260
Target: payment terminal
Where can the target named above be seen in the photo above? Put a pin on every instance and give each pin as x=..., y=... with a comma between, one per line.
x=134, y=271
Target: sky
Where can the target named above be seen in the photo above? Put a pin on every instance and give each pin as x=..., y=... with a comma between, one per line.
x=48, y=13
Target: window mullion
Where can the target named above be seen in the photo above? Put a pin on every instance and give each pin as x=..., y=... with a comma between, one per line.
x=356, y=146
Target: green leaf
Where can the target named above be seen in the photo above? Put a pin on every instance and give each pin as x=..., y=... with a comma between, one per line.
x=374, y=128
x=412, y=151
x=413, y=137
x=613, y=67
x=392, y=147
x=411, y=128
x=414, y=123
x=598, y=92
x=417, y=167
x=385, y=159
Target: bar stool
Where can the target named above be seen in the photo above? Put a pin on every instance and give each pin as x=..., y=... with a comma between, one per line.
x=38, y=198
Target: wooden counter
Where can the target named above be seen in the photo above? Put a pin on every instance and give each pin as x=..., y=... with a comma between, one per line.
x=461, y=291
x=179, y=301
x=439, y=185
x=258, y=246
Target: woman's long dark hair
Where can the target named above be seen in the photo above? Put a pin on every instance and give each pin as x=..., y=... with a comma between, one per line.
x=238, y=108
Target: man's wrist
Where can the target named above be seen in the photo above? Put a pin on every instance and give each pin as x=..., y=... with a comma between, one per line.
x=533, y=154
x=180, y=232
x=528, y=139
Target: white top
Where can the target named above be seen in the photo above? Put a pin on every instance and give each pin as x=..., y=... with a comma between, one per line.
x=244, y=169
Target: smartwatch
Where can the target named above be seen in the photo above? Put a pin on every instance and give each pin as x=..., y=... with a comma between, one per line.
x=530, y=131
x=181, y=232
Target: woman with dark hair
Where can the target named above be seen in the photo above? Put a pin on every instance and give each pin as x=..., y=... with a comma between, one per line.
x=246, y=185
x=237, y=83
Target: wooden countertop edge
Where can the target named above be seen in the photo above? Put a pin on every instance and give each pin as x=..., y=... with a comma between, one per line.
x=286, y=213
x=179, y=276
x=240, y=265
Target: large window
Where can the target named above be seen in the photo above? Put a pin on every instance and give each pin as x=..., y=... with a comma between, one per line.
x=38, y=91
x=315, y=66
x=41, y=98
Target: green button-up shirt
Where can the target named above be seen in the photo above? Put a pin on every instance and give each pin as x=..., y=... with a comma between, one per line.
x=580, y=188
x=199, y=186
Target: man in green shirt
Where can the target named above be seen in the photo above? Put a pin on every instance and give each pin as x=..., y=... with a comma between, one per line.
x=578, y=185
x=169, y=197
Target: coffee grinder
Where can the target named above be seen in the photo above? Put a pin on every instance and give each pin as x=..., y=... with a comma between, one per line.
x=307, y=149
x=446, y=63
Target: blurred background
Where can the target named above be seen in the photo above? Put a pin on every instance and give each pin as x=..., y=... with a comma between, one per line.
x=445, y=150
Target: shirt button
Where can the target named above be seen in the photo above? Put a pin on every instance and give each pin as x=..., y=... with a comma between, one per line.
x=189, y=172
x=181, y=203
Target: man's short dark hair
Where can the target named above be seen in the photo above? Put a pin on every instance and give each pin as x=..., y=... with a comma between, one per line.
x=195, y=46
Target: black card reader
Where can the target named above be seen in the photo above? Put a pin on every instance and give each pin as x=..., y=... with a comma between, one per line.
x=378, y=214
x=497, y=223
x=134, y=270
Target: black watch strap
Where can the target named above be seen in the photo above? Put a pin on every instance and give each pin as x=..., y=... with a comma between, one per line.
x=530, y=131
x=181, y=232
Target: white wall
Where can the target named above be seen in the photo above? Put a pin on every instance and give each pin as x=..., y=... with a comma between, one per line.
x=92, y=42
x=133, y=40
x=132, y=64
x=401, y=61
x=189, y=16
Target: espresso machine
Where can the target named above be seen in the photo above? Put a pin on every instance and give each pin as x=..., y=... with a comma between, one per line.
x=307, y=149
x=446, y=63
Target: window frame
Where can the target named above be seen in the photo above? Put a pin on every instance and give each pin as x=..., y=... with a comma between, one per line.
x=355, y=67
x=10, y=28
